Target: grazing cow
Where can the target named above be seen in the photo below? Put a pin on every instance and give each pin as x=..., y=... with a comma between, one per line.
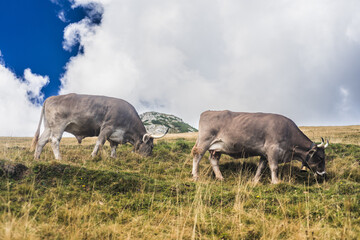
x=275, y=138
x=108, y=118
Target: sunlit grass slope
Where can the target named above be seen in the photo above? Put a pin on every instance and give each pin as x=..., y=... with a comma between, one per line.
x=131, y=197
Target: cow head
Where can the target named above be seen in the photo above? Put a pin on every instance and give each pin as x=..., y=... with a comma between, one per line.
x=147, y=144
x=316, y=158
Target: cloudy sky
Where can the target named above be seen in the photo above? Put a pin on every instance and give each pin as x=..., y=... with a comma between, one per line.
x=297, y=58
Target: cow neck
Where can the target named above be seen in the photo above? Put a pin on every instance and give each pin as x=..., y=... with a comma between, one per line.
x=134, y=140
x=139, y=137
x=302, y=152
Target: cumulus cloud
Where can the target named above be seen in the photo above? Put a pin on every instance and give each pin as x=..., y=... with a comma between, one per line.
x=77, y=33
x=19, y=116
x=297, y=58
x=34, y=83
x=81, y=32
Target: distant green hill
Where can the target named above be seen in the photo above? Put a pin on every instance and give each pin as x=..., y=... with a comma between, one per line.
x=159, y=122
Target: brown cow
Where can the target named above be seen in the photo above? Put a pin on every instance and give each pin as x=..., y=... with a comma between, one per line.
x=108, y=118
x=275, y=138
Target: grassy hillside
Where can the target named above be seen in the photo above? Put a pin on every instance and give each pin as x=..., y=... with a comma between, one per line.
x=131, y=197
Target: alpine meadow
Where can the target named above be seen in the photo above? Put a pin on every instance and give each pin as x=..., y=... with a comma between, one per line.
x=134, y=197
x=129, y=119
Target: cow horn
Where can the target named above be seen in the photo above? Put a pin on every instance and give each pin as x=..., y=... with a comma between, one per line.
x=159, y=136
x=326, y=144
x=146, y=137
x=321, y=144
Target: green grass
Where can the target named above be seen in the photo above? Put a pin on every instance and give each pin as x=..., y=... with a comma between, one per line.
x=132, y=197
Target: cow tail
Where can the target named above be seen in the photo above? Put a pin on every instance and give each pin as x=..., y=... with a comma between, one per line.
x=37, y=133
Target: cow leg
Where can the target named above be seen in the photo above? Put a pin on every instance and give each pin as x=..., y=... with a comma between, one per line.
x=44, y=138
x=55, y=142
x=274, y=173
x=104, y=134
x=195, y=169
x=113, y=146
x=198, y=153
x=260, y=168
x=273, y=164
x=214, y=160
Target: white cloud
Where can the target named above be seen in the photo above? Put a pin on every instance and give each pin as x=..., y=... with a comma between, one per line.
x=34, y=84
x=61, y=16
x=185, y=57
x=78, y=32
x=19, y=117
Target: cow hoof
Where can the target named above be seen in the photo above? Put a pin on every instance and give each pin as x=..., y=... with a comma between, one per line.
x=195, y=178
x=220, y=179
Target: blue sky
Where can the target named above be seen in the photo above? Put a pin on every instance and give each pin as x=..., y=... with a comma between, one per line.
x=32, y=36
x=297, y=58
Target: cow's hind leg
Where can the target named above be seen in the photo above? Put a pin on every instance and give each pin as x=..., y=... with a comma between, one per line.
x=103, y=136
x=214, y=160
x=260, y=168
x=44, y=138
x=55, y=143
x=197, y=153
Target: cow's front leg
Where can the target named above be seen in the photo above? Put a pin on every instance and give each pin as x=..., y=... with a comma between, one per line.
x=113, y=146
x=260, y=168
x=104, y=134
x=214, y=160
x=273, y=160
x=274, y=172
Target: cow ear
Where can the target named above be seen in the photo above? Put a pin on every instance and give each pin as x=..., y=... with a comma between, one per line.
x=146, y=137
x=313, y=149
